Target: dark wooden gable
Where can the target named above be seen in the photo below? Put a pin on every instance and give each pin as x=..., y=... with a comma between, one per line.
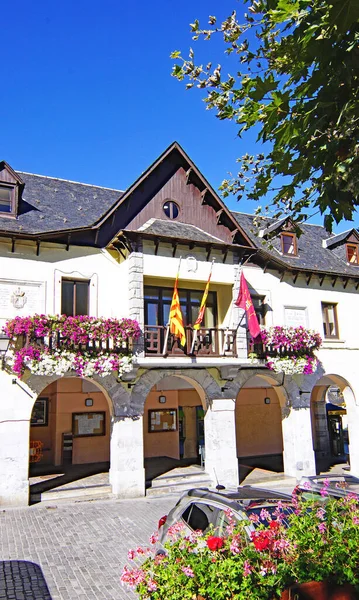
x=192, y=210
x=172, y=177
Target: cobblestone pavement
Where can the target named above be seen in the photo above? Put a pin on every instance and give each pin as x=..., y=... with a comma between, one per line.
x=80, y=547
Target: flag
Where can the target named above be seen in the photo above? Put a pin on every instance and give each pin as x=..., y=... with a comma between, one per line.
x=175, y=319
x=244, y=301
x=202, y=308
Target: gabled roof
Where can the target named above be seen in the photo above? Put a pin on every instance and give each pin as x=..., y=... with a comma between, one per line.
x=312, y=255
x=334, y=240
x=5, y=166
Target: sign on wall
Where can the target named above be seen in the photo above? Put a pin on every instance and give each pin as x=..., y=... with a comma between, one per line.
x=19, y=298
x=295, y=316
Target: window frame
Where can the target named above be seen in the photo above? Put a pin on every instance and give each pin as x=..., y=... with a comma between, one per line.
x=325, y=306
x=12, y=188
x=294, y=239
x=161, y=303
x=75, y=281
x=356, y=248
x=171, y=204
x=259, y=308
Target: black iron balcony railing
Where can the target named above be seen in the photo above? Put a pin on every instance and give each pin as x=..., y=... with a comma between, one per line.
x=211, y=341
x=261, y=351
x=56, y=342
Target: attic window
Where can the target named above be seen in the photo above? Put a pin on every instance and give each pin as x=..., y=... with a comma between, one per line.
x=171, y=209
x=289, y=243
x=352, y=254
x=6, y=198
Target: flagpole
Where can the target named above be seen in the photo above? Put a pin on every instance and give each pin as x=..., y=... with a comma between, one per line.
x=195, y=334
x=165, y=351
x=226, y=333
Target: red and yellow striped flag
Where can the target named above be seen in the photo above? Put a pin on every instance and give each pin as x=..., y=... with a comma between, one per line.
x=202, y=308
x=176, y=319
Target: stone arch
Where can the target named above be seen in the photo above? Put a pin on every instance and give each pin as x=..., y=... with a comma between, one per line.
x=115, y=393
x=274, y=380
x=203, y=382
x=328, y=443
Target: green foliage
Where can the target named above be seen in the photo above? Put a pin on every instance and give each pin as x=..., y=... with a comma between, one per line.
x=296, y=80
x=320, y=544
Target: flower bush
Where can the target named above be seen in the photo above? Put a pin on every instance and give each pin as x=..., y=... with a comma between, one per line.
x=103, y=340
x=321, y=542
x=292, y=349
x=79, y=330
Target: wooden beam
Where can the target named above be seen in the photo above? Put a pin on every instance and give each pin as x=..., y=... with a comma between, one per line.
x=37, y=247
x=345, y=282
x=209, y=249
x=174, y=248
x=191, y=245
x=357, y=286
x=308, y=278
x=295, y=277
x=13, y=244
x=68, y=242
x=321, y=280
x=334, y=280
x=203, y=196
x=282, y=276
x=234, y=233
x=188, y=175
x=225, y=254
x=157, y=243
x=219, y=213
x=265, y=267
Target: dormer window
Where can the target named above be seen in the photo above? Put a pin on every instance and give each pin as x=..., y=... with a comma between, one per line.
x=352, y=254
x=289, y=243
x=7, y=194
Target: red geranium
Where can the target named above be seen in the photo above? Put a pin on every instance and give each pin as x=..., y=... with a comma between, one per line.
x=215, y=543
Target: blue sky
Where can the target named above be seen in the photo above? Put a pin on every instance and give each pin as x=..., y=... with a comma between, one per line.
x=87, y=92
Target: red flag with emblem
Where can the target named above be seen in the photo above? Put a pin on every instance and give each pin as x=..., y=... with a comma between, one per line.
x=244, y=301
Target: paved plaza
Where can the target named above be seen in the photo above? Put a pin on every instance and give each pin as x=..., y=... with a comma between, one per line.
x=77, y=549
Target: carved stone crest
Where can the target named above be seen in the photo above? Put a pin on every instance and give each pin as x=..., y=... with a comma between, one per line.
x=18, y=298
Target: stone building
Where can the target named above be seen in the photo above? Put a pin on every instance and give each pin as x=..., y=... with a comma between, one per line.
x=76, y=249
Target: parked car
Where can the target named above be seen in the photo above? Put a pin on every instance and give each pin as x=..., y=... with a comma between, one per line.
x=203, y=509
x=334, y=485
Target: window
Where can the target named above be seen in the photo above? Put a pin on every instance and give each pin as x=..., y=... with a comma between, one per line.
x=289, y=243
x=259, y=307
x=74, y=297
x=158, y=302
x=198, y=516
x=352, y=254
x=171, y=209
x=6, y=198
x=330, y=321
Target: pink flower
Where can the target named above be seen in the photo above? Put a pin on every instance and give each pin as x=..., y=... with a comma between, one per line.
x=187, y=571
x=247, y=569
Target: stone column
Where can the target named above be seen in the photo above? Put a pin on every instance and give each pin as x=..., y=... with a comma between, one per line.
x=298, y=453
x=15, y=411
x=127, y=473
x=353, y=428
x=221, y=461
x=135, y=292
x=190, y=443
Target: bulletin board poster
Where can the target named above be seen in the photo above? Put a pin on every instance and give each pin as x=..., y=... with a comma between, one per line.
x=162, y=420
x=88, y=424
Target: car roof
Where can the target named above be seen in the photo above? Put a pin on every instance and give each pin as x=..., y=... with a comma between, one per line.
x=334, y=484
x=229, y=496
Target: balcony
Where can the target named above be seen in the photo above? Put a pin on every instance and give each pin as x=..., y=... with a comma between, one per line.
x=211, y=342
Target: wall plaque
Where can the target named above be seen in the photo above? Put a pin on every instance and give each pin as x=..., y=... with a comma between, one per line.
x=19, y=298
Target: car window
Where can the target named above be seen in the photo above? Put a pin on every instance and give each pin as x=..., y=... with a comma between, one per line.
x=222, y=522
x=198, y=516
